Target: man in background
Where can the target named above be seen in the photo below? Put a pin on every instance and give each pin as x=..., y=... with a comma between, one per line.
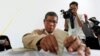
x=73, y=21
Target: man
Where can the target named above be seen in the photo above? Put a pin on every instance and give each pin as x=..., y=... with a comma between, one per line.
x=73, y=21
x=53, y=40
x=4, y=43
x=91, y=36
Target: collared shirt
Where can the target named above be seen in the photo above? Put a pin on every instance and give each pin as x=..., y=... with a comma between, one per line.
x=77, y=29
x=32, y=39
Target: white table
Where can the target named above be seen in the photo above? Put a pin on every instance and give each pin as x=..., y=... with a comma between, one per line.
x=41, y=53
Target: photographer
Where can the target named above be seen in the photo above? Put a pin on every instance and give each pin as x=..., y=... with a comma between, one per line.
x=73, y=21
x=89, y=33
x=96, y=30
x=95, y=27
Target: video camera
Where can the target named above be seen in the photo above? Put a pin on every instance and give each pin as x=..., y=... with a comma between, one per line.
x=66, y=14
x=93, y=19
x=96, y=27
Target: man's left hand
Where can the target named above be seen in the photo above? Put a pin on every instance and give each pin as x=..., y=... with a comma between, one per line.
x=73, y=43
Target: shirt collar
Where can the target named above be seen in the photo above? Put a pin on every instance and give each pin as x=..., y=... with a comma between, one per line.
x=48, y=33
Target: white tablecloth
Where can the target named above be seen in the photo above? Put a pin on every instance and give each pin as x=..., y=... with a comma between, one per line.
x=42, y=53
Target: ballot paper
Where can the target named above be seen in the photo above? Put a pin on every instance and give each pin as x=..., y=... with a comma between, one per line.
x=27, y=52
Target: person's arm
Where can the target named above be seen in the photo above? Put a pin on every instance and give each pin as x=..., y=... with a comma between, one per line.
x=31, y=39
x=81, y=20
x=66, y=25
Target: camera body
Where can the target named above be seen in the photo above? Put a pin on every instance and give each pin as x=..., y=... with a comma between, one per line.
x=96, y=27
x=93, y=19
x=66, y=14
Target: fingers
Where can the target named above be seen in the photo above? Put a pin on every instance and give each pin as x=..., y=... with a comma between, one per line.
x=49, y=43
x=81, y=50
x=43, y=45
x=72, y=43
x=75, y=45
x=87, y=51
x=68, y=41
x=54, y=44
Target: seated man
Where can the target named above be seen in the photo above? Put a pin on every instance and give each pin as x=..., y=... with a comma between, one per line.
x=50, y=39
x=4, y=43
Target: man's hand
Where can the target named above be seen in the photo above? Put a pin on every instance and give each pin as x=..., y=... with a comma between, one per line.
x=49, y=43
x=73, y=43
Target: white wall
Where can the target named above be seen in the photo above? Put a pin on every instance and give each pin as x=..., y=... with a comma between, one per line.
x=18, y=17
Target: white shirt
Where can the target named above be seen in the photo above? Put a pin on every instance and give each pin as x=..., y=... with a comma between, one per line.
x=77, y=31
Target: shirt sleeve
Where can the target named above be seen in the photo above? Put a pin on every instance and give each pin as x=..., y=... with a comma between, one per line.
x=30, y=40
x=80, y=32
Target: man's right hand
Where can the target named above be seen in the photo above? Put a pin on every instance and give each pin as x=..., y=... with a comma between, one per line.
x=49, y=43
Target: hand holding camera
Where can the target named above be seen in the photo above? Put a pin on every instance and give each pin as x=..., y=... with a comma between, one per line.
x=66, y=14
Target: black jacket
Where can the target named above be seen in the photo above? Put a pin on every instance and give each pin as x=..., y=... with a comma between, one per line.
x=92, y=43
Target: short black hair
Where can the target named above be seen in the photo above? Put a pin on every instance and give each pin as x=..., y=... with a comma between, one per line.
x=50, y=14
x=74, y=2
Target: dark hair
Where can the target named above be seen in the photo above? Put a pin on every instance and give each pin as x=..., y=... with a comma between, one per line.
x=74, y=2
x=3, y=37
x=50, y=14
